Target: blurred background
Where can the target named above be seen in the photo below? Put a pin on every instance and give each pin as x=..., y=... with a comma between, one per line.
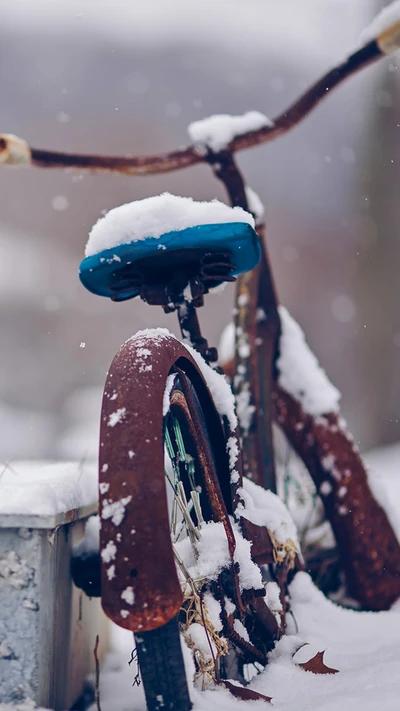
x=127, y=77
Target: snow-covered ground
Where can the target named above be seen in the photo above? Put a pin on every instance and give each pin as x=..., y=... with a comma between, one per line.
x=362, y=646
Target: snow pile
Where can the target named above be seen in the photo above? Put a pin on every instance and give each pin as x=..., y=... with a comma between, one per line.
x=212, y=556
x=155, y=216
x=263, y=508
x=363, y=646
x=46, y=488
x=300, y=373
x=217, y=131
x=212, y=550
x=389, y=16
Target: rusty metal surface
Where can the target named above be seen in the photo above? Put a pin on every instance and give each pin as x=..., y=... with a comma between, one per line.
x=369, y=550
x=257, y=328
x=140, y=587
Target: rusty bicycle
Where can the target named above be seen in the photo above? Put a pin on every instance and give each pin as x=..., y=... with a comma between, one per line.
x=195, y=543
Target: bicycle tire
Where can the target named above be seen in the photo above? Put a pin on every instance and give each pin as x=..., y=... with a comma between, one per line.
x=162, y=668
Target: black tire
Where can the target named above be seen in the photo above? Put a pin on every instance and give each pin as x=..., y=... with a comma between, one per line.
x=162, y=668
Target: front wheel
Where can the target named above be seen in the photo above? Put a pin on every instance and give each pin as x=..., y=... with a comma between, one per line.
x=168, y=561
x=162, y=444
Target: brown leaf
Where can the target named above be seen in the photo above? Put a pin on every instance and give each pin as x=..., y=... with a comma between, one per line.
x=316, y=665
x=242, y=692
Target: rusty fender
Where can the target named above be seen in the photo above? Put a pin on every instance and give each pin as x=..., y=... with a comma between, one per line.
x=140, y=586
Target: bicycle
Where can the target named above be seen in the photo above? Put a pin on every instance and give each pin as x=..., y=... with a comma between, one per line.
x=166, y=410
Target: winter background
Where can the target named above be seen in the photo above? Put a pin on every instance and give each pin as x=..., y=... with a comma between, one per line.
x=128, y=76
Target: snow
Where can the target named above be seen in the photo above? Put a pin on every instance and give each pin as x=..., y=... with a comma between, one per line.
x=116, y=417
x=15, y=571
x=25, y=705
x=156, y=334
x=90, y=542
x=111, y=572
x=245, y=409
x=46, y=488
x=255, y=204
x=232, y=447
x=115, y=510
x=213, y=611
x=264, y=508
x=156, y=216
x=201, y=641
x=217, y=131
x=213, y=553
x=363, y=646
x=109, y=552
x=167, y=392
x=325, y=489
x=219, y=387
x=128, y=595
x=239, y=627
x=249, y=573
x=273, y=600
x=387, y=18
x=300, y=373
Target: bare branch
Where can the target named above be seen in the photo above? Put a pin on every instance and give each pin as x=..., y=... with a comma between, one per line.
x=15, y=151
x=97, y=679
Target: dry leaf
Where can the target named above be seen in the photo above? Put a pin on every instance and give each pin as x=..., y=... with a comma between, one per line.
x=242, y=692
x=316, y=665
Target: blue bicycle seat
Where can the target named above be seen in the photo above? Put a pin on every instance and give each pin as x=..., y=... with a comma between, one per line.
x=119, y=273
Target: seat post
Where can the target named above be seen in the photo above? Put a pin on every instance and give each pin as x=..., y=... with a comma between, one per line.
x=190, y=329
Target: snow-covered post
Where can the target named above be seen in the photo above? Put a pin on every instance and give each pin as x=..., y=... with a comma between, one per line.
x=47, y=626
